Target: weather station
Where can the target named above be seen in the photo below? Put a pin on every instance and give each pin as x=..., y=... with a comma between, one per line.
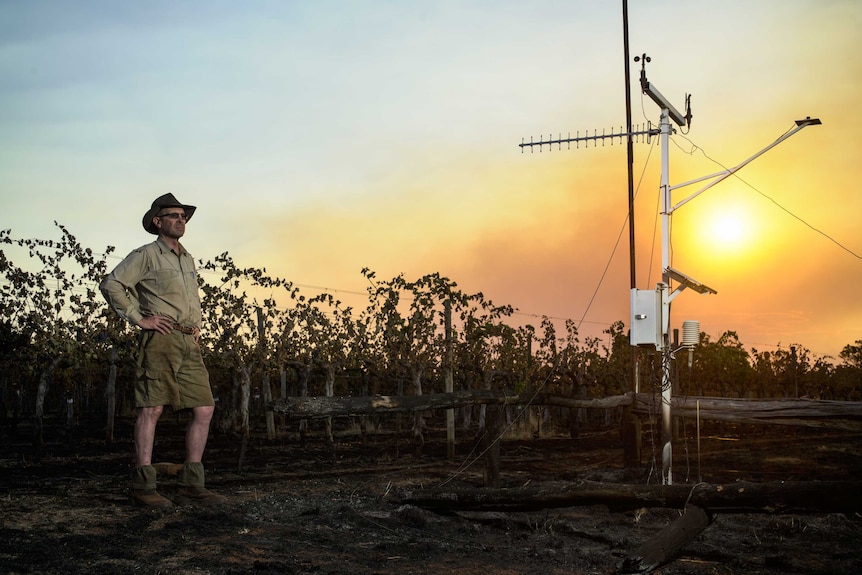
x=650, y=309
x=650, y=322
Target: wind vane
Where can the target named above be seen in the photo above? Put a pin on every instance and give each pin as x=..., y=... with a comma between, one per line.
x=638, y=134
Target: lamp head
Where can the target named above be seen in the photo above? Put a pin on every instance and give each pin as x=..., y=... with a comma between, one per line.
x=809, y=121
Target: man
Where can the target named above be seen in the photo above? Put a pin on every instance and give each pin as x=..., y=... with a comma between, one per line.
x=156, y=289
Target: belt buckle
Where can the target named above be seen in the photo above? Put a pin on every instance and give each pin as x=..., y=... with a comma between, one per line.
x=188, y=330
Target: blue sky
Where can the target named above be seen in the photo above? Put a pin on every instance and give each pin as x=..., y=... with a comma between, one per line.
x=318, y=138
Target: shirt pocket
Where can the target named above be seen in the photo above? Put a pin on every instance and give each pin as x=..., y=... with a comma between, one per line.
x=171, y=285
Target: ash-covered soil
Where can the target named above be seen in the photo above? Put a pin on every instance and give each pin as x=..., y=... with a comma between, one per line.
x=321, y=509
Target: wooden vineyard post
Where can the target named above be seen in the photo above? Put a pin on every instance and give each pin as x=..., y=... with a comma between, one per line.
x=267, y=391
x=267, y=398
x=111, y=396
x=283, y=395
x=491, y=444
x=527, y=412
x=450, y=383
x=630, y=431
x=329, y=390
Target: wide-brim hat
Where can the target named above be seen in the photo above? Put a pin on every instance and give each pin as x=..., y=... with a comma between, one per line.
x=165, y=201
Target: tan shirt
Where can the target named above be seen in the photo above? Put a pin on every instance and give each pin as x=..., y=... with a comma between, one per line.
x=155, y=280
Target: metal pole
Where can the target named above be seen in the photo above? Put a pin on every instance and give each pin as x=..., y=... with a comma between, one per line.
x=667, y=435
x=666, y=428
x=631, y=186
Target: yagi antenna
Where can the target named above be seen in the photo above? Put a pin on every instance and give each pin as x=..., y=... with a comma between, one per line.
x=638, y=134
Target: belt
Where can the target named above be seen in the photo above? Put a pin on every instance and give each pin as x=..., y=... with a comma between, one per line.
x=186, y=329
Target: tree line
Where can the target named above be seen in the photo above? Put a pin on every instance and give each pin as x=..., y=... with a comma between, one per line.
x=63, y=351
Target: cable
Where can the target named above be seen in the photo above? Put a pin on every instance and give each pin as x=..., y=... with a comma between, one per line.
x=365, y=294
x=654, y=233
x=616, y=244
x=604, y=272
x=536, y=315
x=655, y=218
x=469, y=460
x=695, y=147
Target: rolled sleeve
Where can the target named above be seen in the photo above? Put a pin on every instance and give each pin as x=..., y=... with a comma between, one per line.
x=118, y=287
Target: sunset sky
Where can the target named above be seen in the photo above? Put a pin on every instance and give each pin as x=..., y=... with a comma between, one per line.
x=318, y=138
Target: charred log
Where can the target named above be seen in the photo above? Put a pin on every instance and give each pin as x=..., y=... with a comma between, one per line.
x=797, y=497
x=667, y=543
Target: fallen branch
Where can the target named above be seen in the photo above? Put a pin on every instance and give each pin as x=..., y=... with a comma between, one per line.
x=315, y=407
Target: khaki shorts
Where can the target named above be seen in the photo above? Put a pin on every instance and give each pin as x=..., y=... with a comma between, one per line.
x=171, y=372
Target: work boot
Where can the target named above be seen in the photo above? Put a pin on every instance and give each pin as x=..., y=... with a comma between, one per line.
x=191, y=487
x=144, y=488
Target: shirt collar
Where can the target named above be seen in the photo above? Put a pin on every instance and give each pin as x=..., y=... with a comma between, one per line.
x=164, y=247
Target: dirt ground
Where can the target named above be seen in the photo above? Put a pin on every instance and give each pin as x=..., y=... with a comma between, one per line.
x=312, y=509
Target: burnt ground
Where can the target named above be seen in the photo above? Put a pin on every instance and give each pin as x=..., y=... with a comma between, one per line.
x=313, y=509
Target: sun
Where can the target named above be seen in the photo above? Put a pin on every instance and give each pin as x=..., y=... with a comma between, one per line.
x=728, y=230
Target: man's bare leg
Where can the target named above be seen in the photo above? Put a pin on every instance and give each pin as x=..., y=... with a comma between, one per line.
x=145, y=434
x=198, y=432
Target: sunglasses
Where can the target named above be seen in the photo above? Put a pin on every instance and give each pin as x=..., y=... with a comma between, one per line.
x=174, y=216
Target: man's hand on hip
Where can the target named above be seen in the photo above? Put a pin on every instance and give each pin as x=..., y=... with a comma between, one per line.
x=158, y=323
